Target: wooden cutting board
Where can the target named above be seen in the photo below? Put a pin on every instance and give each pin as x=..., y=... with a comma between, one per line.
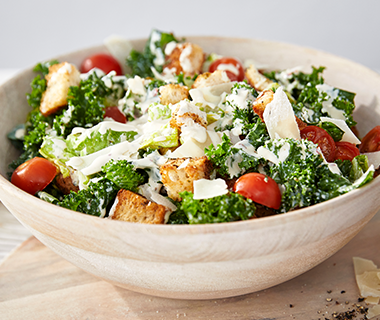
x=35, y=283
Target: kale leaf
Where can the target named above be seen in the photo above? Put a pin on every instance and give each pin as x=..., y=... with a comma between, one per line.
x=85, y=109
x=141, y=62
x=225, y=208
x=333, y=130
x=224, y=157
x=94, y=200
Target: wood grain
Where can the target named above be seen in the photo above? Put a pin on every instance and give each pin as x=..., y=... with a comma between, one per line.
x=35, y=283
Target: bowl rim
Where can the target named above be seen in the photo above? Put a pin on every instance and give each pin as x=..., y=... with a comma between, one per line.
x=282, y=218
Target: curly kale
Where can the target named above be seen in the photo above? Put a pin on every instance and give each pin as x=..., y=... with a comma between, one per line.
x=85, y=109
x=141, y=62
x=225, y=208
x=36, y=124
x=225, y=157
x=94, y=200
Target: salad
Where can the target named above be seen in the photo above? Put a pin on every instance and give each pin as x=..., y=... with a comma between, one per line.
x=176, y=135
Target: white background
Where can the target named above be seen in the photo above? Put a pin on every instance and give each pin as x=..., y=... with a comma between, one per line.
x=33, y=31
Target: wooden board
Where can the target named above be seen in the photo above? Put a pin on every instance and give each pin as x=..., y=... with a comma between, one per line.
x=35, y=283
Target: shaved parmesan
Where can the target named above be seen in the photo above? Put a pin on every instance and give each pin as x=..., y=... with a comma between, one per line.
x=369, y=284
x=373, y=158
x=327, y=106
x=279, y=117
x=205, y=189
x=348, y=135
x=372, y=300
x=373, y=312
x=189, y=149
x=120, y=48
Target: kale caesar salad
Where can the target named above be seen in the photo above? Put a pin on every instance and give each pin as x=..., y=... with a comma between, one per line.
x=172, y=134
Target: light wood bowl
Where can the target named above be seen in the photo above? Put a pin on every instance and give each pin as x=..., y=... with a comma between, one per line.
x=202, y=261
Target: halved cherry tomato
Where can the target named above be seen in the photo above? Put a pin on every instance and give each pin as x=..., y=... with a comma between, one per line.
x=371, y=141
x=102, y=61
x=225, y=64
x=260, y=189
x=345, y=150
x=116, y=114
x=34, y=175
x=320, y=137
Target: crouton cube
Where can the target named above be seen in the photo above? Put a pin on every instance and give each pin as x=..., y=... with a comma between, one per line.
x=59, y=79
x=173, y=93
x=132, y=207
x=179, y=174
x=65, y=185
x=186, y=113
x=187, y=58
x=208, y=79
x=256, y=79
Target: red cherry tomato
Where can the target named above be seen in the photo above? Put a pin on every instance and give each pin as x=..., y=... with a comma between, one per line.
x=102, y=61
x=320, y=137
x=219, y=64
x=345, y=150
x=116, y=114
x=34, y=175
x=371, y=141
x=260, y=189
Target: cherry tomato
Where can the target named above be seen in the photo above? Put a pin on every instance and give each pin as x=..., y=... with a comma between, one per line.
x=34, y=175
x=260, y=189
x=371, y=141
x=102, y=61
x=220, y=64
x=116, y=114
x=320, y=137
x=345, y=150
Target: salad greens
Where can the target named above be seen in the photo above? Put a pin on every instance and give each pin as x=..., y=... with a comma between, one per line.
x=101, y=156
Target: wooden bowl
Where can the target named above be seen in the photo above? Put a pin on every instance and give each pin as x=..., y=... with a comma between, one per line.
x=202, y=261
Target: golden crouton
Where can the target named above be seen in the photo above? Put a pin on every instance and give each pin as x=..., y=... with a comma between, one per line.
x=61, y=76
x=186, y=113
x=208, y=79
x=187, y=58
x=179, y=174
x=133, y=207
x=256, y=79
x=173, y=93
x=65, y=185
x=262, y=101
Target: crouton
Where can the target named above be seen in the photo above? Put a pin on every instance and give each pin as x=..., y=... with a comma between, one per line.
x=262, y=101
x=65, y=185
x=173, y=93
x=59, y=79
x=208, y=79
x=179, y=174
x=133, y=207
x=256, y=79
x=186, y=113
x=187, y=58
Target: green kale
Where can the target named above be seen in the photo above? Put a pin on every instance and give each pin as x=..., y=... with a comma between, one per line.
x=178, y=217
x=307, y=179
x=94, y=200
x=123, y=175
x=36, y=124
x=333, y=130
x=85, y=109
x=225, y=208
x=141, y=62
x=224, y=156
